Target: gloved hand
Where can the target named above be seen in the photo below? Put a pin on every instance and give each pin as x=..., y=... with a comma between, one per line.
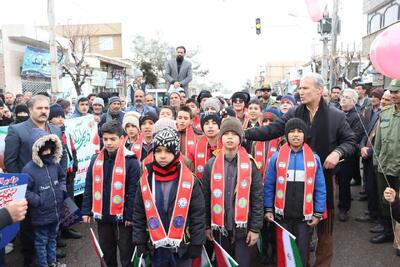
x=142, y=249
x=195, y=251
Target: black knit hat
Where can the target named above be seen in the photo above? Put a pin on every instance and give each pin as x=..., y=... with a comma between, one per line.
x=21, y=108
x=56, y=111
x=210, y=116
x=295, y=123
x=168, y=138
x=147, y=116
x=203, y=94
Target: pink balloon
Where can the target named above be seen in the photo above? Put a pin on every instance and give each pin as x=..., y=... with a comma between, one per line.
x=314, y=10
x=388, y=51
x=373, y=56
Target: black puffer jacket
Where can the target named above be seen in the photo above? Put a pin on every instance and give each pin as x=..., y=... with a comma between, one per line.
x=132, y=170
x=195, y=221
x=256, y=210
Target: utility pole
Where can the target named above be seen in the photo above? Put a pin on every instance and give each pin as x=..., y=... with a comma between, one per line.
x=335, y=21
x=53, y=47
x=325, y=57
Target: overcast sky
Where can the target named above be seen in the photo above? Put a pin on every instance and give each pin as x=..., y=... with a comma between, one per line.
x=223, y=30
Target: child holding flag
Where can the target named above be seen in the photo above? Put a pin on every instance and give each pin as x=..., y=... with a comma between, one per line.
x=294, y=192
x=233, y=195
x=169, y=207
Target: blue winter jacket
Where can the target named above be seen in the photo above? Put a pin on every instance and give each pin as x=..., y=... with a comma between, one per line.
x=294, y=198
x=46, y=186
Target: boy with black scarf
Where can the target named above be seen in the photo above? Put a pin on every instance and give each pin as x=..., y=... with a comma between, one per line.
x=169, y=207
x=110, y=188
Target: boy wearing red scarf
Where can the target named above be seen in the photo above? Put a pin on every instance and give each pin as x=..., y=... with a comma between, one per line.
x=294, y=189
x=233, y=196
x=111, y=183
x=207, y=144
x=169, y=207
x=187, y=135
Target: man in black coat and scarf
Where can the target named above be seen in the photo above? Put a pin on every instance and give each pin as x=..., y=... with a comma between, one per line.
x=330, y=136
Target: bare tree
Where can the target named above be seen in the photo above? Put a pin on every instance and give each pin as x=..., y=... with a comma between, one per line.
x=75, y=66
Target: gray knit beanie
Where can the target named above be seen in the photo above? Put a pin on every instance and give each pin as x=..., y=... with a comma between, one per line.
x=214, y=103
x=234, y=125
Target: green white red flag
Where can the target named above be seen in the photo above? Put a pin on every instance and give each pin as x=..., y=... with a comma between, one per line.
x=288, y=252
x=137, y=260
x=222, y=257
x=203, y=260
x=96, y=247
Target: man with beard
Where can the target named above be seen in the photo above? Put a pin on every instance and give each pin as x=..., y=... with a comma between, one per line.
x=178, y=71
x=18, y=152
x=335, y=96
x=139, y=105
x=339, y=142
x=9, y=99
x=267, y=100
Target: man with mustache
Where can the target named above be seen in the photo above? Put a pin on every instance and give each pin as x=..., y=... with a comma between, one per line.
x=139, y=105
x=178, y=71
x=18, y=152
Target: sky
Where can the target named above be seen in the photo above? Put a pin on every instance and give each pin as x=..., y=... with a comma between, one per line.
x=222, y=30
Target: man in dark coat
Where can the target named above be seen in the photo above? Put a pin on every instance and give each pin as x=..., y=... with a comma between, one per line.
x=350, y=168
x=18, y=152
x=329, y=136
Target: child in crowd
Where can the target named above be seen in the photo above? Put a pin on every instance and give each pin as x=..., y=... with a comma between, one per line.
x=233, y=196
x=110, y=187
x=294, y=189
x=195, y=107
x=146, y=123
x=45, y=194
x=187, y=135
x=169, y=200
x=167, y=112
x=207, y=144
x=134, y=139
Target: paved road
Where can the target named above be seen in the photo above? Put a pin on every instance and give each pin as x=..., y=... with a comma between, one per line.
x=351, y=246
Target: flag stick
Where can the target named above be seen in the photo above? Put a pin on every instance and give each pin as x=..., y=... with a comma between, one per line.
x=280, y=226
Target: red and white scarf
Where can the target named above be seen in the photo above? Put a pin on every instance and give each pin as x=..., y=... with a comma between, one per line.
x=179, y=217
x=117, y=193
x=310, y=169
x=272, y=148
x=242, y=191
x=201, y=156
x=137, y=146
x=190, y=140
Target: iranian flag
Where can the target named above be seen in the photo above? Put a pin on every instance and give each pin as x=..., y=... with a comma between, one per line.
x=288, y=253
x=138, y=261
x=96, y=247
x=203, y=260
x=222, y=257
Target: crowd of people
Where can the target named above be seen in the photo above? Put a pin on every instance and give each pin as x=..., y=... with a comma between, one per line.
x=202, y=170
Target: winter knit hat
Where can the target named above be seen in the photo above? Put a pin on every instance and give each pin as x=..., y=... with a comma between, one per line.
x=131, y=117
x=21, y=108
x=203, y=94
x=210, y=116
x=147, y=116
x=214, y=103
x=114, y=99
x=56, y=111
x=271, y=114
x=295, y=123
x=163, y=123
x=232, y=124
x=289, y=98
x=98, y=101
x=168, y=138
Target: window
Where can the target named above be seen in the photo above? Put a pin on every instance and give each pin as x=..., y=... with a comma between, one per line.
x=391, y=15
x=375, y=23
x=106, y=43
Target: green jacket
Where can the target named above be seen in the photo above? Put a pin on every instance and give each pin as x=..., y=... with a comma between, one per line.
x=271, y=103
x=387, y=142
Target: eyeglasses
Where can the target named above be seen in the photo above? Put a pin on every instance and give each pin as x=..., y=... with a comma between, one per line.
x=238, y=100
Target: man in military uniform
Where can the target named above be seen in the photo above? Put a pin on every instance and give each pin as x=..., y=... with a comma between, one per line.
x=267, y=100
x=387, y=145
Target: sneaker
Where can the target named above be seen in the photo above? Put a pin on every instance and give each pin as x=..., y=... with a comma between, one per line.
x=365, y=219
x=377, y=229
x=9, y=247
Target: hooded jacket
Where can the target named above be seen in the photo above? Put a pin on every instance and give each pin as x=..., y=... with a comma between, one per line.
x=46, y=186
x=76, y=113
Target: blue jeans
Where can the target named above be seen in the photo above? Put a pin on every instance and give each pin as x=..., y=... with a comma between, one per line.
x=45, y=243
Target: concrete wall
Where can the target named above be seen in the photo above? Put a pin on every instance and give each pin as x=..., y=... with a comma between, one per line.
x=371, y=5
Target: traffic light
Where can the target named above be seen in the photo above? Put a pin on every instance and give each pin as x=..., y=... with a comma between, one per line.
x=258, y=26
